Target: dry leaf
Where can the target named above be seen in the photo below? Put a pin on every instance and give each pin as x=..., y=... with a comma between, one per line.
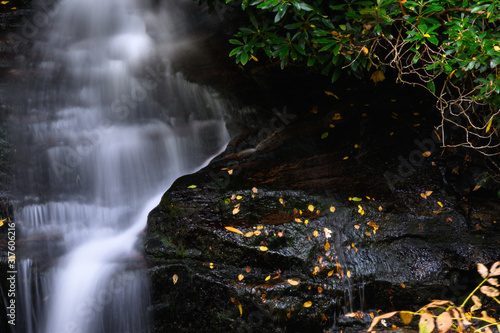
x=249, y=234
x=490, y=291
x=236, y=211
x=254, y=190
x=493, y=282
x=307, y=304
x=348, y=274
x=327, y=246
x=248, y=269
x=293, y=282
x=175, y=278
x=230, y=171
x=426, y=323
x=310, y=207
x=426, y=154
x=268, y=278
x=483, y=271
x=356, y=226
x=263, y=248
x=234, y=230
x=240, y=307
x=477, y=303
x=315, y=233
x=495, y=269
x=330, y=273
x=241, y=277
x=332, y=209
x=444, y=322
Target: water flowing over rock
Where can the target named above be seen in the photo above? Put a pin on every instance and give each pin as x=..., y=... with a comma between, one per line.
x=102, y=127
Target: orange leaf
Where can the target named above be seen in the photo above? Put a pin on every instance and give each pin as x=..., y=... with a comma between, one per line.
x=234, y=230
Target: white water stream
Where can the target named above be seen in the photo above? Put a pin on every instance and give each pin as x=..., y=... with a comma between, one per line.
x=107, y=127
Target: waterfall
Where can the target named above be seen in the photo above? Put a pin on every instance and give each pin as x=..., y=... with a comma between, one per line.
x=103, y=129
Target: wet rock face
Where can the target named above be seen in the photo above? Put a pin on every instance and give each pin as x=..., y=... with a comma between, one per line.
x=319, y=225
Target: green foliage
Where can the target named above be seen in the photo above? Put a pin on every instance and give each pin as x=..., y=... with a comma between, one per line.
x=455, y=40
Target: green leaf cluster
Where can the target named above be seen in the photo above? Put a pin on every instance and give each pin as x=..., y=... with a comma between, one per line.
x=458, y=40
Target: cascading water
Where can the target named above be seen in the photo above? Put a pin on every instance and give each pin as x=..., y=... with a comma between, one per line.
x=105, y=129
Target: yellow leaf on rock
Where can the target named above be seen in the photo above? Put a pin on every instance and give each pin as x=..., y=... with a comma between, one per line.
x=263, y=248
x=308, y=304
x=249, y=234
x=327, y=246
x=240, y=307
x=240, y=277
x=236, y=211
x=332, y=209
x=235, y=230
x=310, y=207
x=254, y=190
x=298, y=220
x=4, y=2
x=268, y=278
x=426, y=154
x=239, y=197
x=175, y=278
x=230, y=171
x=356, y=226
x=348, y=274
x=330, y=273
x=315, y=233
x=293, y=282
x=257, y=232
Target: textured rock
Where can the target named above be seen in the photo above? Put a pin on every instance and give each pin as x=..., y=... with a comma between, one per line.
x=396, y=248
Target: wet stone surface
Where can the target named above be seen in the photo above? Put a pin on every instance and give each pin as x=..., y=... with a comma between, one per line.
x=389, y=243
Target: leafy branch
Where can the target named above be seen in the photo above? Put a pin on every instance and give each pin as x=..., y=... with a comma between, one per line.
x=445, y=315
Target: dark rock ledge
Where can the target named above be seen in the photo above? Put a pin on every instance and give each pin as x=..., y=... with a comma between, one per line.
x=420, y=250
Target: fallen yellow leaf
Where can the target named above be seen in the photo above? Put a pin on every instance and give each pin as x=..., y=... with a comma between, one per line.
x=310, y=207
x=175, y=278
x=293, y=282
x=489, y=124
x=332, y=209
x=327, y=246
x=268, y=277
x=236, y=211
x=240, y=277
x=426, y=154
x=234, y=230
x=263, y=248
x=308, y=304
x=315, y=233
